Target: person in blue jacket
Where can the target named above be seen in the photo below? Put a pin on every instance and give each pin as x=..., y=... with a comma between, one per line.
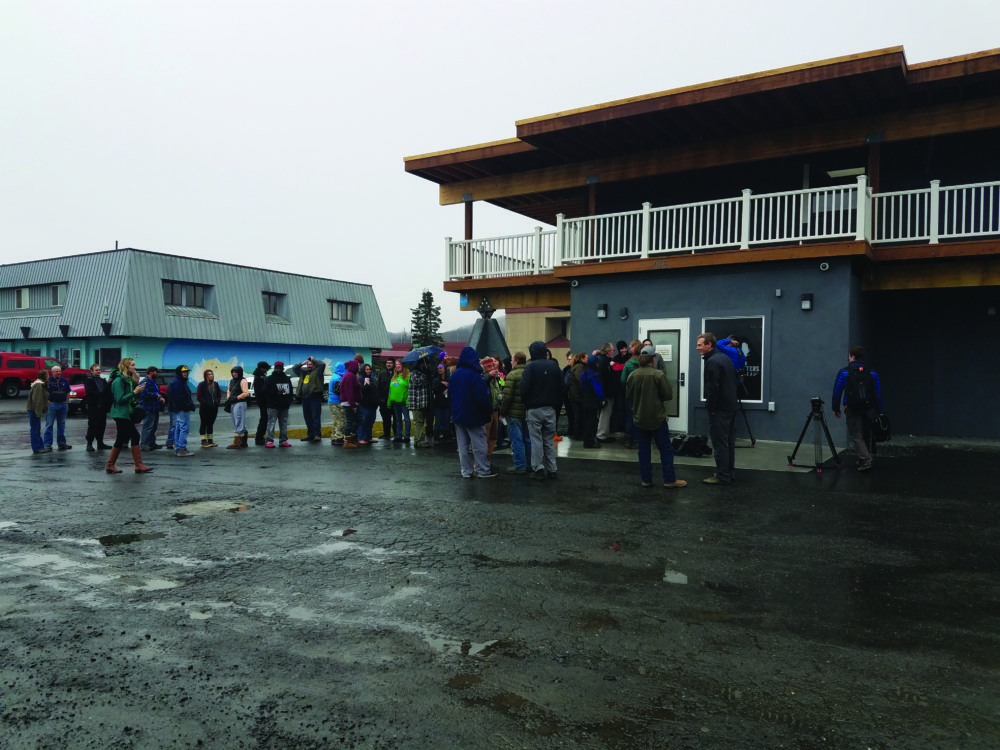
x=180, y=404
x=858, y=406
x=471, y=411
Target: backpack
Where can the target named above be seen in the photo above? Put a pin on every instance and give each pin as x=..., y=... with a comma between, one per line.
x=107, y=399
x=859, y=392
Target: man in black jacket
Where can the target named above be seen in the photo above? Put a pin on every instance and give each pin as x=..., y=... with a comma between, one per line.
x=720, y=400
x=276, y=392
x=260, y=395
x=542, y=393
x=384, y=410
x=97, y=419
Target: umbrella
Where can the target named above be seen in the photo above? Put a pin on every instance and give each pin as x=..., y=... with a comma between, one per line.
x=420, y=353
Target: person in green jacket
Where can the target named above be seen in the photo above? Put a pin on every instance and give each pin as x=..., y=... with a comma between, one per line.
x=399, y=391
x=123, y=386
x=647, y=389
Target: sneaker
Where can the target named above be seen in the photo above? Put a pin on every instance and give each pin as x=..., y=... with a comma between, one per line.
x=397, y=440
x=305, y=440
x=673, y=485
x=557, y=438
x=168, y=446
x=146, y=448
x=65, y=447
x=269, y=445
x=47, y=449
x=286, y=444
x=712, y=480
x=489, y=475
x=183, y=453
x=318, y=439
x=406, y=440
x=864, y=466
x=608, y=439
x=646, y=485
x=540, y=474
x=516, y=470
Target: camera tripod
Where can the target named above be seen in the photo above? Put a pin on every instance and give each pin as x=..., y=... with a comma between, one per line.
x=816, y=413
x=739, y=400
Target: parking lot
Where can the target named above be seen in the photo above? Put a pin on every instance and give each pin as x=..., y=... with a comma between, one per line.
x=318, y=597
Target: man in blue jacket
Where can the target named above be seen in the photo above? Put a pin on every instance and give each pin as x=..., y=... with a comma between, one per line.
x=471, y=411
x=180, y=404
x=859, y=390
x=58, y=407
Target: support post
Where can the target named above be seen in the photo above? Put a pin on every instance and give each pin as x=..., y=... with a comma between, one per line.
x=646, y=228
x=560, y=239
x=449, y=260
x=745, y=221
x=935, y=211
x=538, y=251
x=860, y=232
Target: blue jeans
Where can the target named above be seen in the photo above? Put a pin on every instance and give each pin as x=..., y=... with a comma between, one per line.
x=442, y=421
x=35, y=423
x=367, y=422
x=520, y=442
x=182, y=425
x=57, y=415
x=172, y=430
x=312, y=411
x=400, y=414
x=660, y=436
x=149, y=425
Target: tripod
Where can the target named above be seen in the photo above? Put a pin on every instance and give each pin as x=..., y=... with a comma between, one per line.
x=816, y=413
x=739, y=400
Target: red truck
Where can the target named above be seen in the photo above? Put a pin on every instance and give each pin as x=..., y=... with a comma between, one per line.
x=17, y=371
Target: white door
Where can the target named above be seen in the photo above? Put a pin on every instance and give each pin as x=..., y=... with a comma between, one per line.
x=671, y=337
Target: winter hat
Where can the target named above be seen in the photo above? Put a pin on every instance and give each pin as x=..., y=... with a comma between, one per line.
x=262, y=365
x=279, y=365
x=621, y=345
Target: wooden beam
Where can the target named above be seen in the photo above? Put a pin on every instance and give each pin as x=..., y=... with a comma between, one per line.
x=944, y=250
x=972, y=272
x=896, y=126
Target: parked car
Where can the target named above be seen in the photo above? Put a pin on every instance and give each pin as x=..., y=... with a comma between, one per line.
x=295, y=387
x=78, y=401
x=17, y=371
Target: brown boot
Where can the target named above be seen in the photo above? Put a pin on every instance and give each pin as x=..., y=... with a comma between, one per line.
x=350, y=441
x=110, y=465
x=235, y=443
x=243, y=440
x=140, y=467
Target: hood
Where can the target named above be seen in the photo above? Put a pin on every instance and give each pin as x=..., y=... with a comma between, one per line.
x=469, y=358
x=352, y=366
x=537, y=349
x=339, y=370
x=592, y=360
x=238, y=370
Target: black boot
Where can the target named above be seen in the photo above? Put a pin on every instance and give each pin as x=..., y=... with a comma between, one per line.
x=90, y=446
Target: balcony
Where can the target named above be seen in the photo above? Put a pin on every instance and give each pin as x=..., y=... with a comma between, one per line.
x=747, y=222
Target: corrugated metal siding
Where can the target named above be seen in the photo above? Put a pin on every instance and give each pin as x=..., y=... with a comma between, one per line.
x=130, y=282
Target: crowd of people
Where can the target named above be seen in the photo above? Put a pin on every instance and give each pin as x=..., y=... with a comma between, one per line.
x=477, y=402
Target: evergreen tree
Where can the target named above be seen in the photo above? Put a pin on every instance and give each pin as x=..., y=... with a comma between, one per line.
x=426, y=322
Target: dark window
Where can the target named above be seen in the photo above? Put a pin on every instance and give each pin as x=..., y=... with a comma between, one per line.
x=21, y=364
x=21, y=299
x=342, y=311
x=58, y=295
x=271, y=303
x=183, y=295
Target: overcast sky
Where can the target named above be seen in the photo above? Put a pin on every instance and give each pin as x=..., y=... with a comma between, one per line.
x=272, y=134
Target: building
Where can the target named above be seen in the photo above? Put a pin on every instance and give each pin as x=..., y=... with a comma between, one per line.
x=807, y=209
x=166, y=310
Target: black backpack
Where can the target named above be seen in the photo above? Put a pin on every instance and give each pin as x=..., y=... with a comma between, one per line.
x=107, y=399
x=859, y=393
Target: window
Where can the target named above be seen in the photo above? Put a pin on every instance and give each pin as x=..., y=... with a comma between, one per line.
x=271, y=301
x=51, y=362
x=21, y=298
x=180, y=294
x=342, y=311
x=58, y=295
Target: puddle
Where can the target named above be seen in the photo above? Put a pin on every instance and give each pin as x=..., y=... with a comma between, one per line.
x=112, y=540
x=672, y=576
x=204, y=507
x=156, y=584
x=7, y=524
x=463, y=681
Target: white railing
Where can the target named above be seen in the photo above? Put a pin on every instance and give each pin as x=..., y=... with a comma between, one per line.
x=511, y=255
x=797, y=216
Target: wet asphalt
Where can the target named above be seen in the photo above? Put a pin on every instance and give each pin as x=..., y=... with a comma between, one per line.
x=316, y=597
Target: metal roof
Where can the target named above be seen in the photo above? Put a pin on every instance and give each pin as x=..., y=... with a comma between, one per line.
x=125, y=287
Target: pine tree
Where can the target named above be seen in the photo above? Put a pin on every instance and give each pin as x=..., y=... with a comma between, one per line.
x=426, y=322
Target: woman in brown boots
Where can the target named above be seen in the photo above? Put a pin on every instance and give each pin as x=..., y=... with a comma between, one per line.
x=122, y=388
x=236, y=399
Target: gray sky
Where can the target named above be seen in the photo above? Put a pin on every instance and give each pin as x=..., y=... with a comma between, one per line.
x=272, y=134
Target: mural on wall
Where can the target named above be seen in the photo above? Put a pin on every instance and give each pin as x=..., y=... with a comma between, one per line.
x=222, y=356
x=749, y=331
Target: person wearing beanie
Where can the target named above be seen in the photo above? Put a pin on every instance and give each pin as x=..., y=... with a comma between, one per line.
x=648, y=390
x=542, y=392
x=277, y=391
x=259, y=376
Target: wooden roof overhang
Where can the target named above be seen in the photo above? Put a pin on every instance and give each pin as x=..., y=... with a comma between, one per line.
x=821, y=106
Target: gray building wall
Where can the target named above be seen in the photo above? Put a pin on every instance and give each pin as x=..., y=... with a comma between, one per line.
x=802, y=351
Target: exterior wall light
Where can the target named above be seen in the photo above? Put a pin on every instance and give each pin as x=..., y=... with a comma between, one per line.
x=622, y=313
x=807, y=302
x=602, y=311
